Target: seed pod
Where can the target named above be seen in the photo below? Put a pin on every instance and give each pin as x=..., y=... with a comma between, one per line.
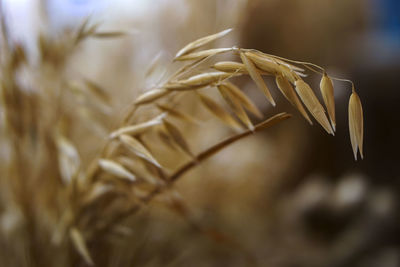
x=257, y=78
x=356, y=124
x=327, y=92
x=311, y=102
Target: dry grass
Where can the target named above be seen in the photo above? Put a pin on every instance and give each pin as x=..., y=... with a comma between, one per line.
x=54, y=206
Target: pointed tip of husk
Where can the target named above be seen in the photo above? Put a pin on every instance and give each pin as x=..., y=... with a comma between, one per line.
x=333, y=126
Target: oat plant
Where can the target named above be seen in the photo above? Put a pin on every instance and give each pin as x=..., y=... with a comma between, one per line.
x=55, y=211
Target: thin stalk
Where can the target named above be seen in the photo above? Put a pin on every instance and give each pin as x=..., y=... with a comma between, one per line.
x=193, y=163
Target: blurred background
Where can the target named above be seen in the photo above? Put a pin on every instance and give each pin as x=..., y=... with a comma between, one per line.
x=291, y=196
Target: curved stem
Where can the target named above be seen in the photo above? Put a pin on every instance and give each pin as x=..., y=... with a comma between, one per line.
x=193, y=163
x=344, y=80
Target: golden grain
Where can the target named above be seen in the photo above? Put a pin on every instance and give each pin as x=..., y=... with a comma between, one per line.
x=311, y=102
x=290, y=94
x=151, y=96
x=263, y=63
x=178, y=137
x=235, y=105
x=138, y=149
x=138, y=128
x=327, y=92
x=206, y=79
x=277, y=60
x=68, y=158
x=80, y=245
x=218, y=111
x=243, y=99
x=257, y=78
x=200, y=42
x=116, y=169
x=204, y=54
x=230, y=66
x=356, y=124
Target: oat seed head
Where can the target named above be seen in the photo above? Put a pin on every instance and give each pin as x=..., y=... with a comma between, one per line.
x=314, y=107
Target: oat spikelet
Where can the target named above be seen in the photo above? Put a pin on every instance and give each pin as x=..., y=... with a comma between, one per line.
x=327, y=92
x=311, y=101
x=177, y=137
x=138, y=128
x=218, y=111
x=256, y=76
x=68, y=159
x=98, y=91
x=151, y=96
x=287, y=90
x=138, y=149
x=96, y=191
x=203, y=54
x=205, y=79
x=356, y=124
x=165, y=138
x=234, y=67
x=288, y=73
x=243, y=99
x=230, y=66
x=80, y=245
x=175, y=113
x=263, y=63
x=116, y=169
x=202, y=41
x=234, y=104
x=276, y=60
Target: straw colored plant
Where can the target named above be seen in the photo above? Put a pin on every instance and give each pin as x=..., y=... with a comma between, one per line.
x=75, y=207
